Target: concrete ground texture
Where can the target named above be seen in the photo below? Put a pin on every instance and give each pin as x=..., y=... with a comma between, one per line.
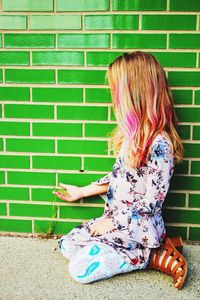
x=34, y=268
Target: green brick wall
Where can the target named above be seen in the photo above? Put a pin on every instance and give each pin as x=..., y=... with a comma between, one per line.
x=56, y=109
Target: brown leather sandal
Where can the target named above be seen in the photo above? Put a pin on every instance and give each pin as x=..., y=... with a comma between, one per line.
x=175, y=255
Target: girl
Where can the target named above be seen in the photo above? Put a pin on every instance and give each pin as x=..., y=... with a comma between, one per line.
x=146, y=145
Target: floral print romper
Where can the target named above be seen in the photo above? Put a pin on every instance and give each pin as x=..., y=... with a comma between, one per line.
x=134, y=201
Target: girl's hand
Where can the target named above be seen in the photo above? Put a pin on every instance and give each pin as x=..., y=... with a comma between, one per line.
x=101, y=226
x=72, y=193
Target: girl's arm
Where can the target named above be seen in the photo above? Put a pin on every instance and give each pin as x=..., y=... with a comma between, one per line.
x=93, y=189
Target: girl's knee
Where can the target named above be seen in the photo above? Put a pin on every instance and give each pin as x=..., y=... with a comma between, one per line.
x=78, y=275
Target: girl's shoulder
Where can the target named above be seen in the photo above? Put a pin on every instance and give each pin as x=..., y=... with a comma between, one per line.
x=161, y=147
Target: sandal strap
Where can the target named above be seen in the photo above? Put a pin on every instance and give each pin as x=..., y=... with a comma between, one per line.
x=179, y=264
x=172, y=260
x=178, y=274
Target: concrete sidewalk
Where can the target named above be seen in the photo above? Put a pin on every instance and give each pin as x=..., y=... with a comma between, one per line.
x=33, y=268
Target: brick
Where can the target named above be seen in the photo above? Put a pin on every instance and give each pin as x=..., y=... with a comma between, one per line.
x=177, y=231
x=194, y=233
x=139, y=40
x=14, y=93
x=29, y=76
x=57, y=94
x=84, y=40
x=82, y=113
x=3, y=210
x=27, y=5
x=176, y=59
x=58, y=227
x=181, y=216
x=175, y=199
x=43, y=194
x=30, y=145
x=0, y=40
x=58, y=58
x=184, y=78
x=15, y=128
x=14, y=58
x=82, y=146
x=184, y=41
x=102, y=58
x=55, y=22
x=115, y=22
x=2, y=177
x=80, y=179
x=15, y=225
x=57, y=129
x=78, y=212
x=56, y=162
x=29, y=111
x=97, y=95
x=139, y=5
x=188, y=114
x=81, y=76
x=168, y=22
x=32, y=178
x=187, y=182
x=194, y=200
x=1, y=76
x=98, y=163
x=27, y=40
x=32, y=210
x=196, y=133
x=182, y=168
x=184, y=131
x=197, y=97
x=14, y=161
x=182, y=96
x=1, y=111
x=195, y=165
x=191, y=150
x=82, y=5
x=98, y=130
x=11, y=22
x=1, y=144
x=14, y=193
x=184, y=5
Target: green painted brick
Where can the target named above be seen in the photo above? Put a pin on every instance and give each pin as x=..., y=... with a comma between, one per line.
x=14, y=93
x=194, y=233
x=188, y=114
x=196, y=133
x=28, y=40
x=194, y=200
x=182, y=168
x=98, y=130
x=191, y=150
x=58, y=227
x=43, y=194
x=57, y=94
x=195, y=165
x=98, y=163
x=139, y=5
x=103, y=58
x=14, y=193
x=32, y=210
x=175, y=199
x=184, y=78
x=57, y=129
x=0, y=40
x=187, y=182
x=177, y=231
x=197, y=97
x=139, y=40
x=55, y=22
x=184, y=132
x=0, y=111
x=182, y=96
x=82, y=5
x=78, y=212
x=82, y=113
x=2, y=177
x=15, y=225
x=115, y=22
x=12, y=22
x=1, y=76
x=79, y=179
x=27, y=5
x=176, y=59
x=169, y=22
x=81, y=76
x=184, y=5
x=14, y=58
x=1, y=144
x=29, y=111
x=181, y=216
x=82, y=146
x=14, y=161
x=56, y=162
x=14, y=128
x=3, y=210
x=97, y=95
x=29, y=76
x=84, y=40
x=32, y=178
x=30, y=145
x=184, y=41
x=57, y=58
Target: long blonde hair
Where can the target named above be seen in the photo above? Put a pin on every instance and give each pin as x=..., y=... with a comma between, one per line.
x=143, y=106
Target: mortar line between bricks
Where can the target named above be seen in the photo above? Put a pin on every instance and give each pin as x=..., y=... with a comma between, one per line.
x=100, y=12
x=109, y=50
x=47, y=203
x=96, y=31
x=168, y=6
